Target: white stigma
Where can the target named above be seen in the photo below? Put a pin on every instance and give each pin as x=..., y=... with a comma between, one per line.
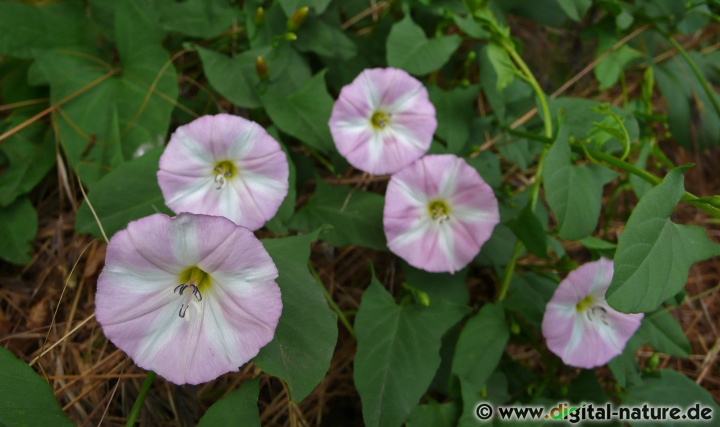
x=221, y=177
x=193, y=292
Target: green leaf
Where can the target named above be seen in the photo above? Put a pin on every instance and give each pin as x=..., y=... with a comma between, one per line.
x=408, y=48
x=455, y=112
x=286, y=210
x=609, y=69
x=305, y=113
x=235, y=78
x=30, y=155
x=575, y=9
x=18, y=227
x=624, y=366
x=307, y=332
x=326, y=40
x=654, y=254
x=574, y=193
x=481, y=344
x=398, y=353
x=529, y=295
x=25, y=398
x=530, y=231
x=434, y=415
x=290, y=6
x=664, y=334
x=128, y=193
x=198, y=18
x=581, y=115
x=439, y=286
x=671, y=389
x=488, y=166
x=235, y=409
x=134, y=115
x=24, y=28
x=356, y=215
x=502, y=64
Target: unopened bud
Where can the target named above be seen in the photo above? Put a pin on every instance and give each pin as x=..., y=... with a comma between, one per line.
x=653, y=361
x=291, y=37
x=297, y=19
x=423, y=298
x=259, y=16
x=261, y=68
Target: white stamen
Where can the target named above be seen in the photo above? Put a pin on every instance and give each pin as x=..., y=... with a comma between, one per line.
x=194, y=292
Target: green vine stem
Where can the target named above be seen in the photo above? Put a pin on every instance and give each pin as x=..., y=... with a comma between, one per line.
x=535, y=190
x=137, y=406
x=703, y=81
x=331, y=302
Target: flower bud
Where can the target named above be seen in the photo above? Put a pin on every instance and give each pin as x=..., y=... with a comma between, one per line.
x=261, y=68
x=291, y=37
x=259, y=16
x=653, y=361
x=297, y=19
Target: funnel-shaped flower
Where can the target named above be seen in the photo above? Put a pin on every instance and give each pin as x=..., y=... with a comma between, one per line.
x=190, y=297
x=579, y=326
x=226, y=166
x=438, y=213
x=383, y=121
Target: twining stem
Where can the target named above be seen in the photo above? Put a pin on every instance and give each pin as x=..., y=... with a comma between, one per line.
x=703, y=81
x=331, y=302
x=137, y=407
x=535, y=190
x=652, y=179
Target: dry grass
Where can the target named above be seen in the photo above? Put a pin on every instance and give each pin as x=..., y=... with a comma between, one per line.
x=46, y=307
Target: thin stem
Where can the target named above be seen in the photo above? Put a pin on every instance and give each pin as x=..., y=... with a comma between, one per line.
x=535, y=190
x=652, y=179
x=331, y=302
x=703, y=81
x=137, y=407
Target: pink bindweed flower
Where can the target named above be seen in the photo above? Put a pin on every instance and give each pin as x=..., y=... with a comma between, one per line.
x=579, y=326
x=190, y=297
x=438, y=213
x=383, y=121
x=226, y=166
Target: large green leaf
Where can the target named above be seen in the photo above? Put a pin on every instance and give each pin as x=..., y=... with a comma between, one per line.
x=106, y=124
x=575, y=9
x=529, y=295
x=574, y=193
x=398, y=353
x=502, y=64
x=238, y=408
x=439, y=286
x=481, y=344
x=408, y=48
x=654, y=255
x=199, y=18
x=128, y=193
x=528, y=228
x=30, y=155
x=608, y=70
x=664, y=334
x=672, y=389
x=303, y=114
x=356, y=215
x=235, y=78
x=25, y=398
x=24, y=28
x=278, y=223
x=305, y=338
x=454, y=114
x=325, y=39
x=434, y=415
x=18, y=227
x=624, y=366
